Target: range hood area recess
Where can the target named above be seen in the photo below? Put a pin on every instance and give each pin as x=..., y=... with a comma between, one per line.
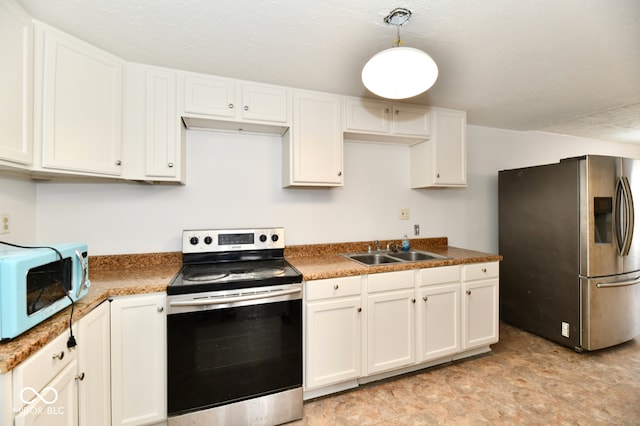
x=207, y=124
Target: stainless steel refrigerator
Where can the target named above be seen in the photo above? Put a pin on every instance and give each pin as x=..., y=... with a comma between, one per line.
x=570, y=241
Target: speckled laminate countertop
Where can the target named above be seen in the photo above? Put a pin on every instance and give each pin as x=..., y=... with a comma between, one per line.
x=122, y=275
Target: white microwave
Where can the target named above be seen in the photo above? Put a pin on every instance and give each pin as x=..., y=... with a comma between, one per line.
x=36, y=283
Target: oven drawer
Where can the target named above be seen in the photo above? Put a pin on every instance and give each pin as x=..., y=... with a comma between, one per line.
x=332, y=287
x=39, y=369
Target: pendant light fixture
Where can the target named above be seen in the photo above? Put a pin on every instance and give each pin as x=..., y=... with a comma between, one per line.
x=399, y=72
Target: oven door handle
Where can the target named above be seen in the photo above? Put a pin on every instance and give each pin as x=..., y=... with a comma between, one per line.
x=234, y=299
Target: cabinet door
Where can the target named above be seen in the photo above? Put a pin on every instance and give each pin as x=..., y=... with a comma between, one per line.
x=479, y=313
x=265, y=103
x=57, y=404
x=209, y=96
x=312, y=154
x=439, y=317
x=410, y=121
x=163, y=154
x=391, y=328
x=367, y=116
x=16, y=84
x=94, y=367
x=138, y=359
x=333, y=333
x=81, y=106
x=450, y=138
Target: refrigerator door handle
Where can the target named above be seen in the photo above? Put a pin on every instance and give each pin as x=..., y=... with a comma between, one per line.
x=619, y=283
x=624, y=216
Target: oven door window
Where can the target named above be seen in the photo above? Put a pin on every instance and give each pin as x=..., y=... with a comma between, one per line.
x=227, y=355
x=47, y=284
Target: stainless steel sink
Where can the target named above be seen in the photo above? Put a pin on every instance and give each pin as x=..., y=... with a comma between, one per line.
x=415, y=256
x=373, y=258
x=385, y=257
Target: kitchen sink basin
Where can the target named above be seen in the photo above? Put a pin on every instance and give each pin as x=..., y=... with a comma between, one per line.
x=373, y=259
x=414, y=256
x=385, y=257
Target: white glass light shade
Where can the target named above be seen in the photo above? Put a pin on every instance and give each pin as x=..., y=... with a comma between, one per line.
x=399, y=73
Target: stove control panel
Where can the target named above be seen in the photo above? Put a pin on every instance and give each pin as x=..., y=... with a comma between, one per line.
x=219, y=240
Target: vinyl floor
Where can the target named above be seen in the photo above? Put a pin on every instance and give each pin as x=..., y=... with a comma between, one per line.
x=526, y=380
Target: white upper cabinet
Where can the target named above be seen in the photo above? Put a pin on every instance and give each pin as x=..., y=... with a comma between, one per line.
x=153, y=133
x=369, y=120
x=225, y=104
x=79, y=94
x=313, y=148
x=442, y=160
x=16, y=86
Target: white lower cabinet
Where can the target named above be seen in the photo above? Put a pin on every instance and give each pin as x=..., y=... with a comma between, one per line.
x=391, y=321
x=365, y=328
x=438, y=312
x=138, y=359
x=62, y=386
x=94, y=367
x=333, y=330
x=479, y=304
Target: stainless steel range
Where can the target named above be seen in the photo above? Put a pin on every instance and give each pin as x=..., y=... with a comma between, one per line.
x=234, y=330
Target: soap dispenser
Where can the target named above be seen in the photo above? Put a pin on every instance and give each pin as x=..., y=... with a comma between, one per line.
x=405, y=243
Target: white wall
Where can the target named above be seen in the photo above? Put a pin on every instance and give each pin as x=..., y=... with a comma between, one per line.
x=235, y=181
x=18, y=199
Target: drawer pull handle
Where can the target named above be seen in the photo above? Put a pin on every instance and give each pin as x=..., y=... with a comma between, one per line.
x=58, y=356
x=468, y=291
x=484, y=269
x=80, y=377
x=336, y=286
x=359, y=309
x=425, y=298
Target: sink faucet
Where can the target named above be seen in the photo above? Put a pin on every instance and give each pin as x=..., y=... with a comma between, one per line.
x=392, y=246
x=377, y=243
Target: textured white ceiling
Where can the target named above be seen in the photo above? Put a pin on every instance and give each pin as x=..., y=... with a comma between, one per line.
x=564, y=66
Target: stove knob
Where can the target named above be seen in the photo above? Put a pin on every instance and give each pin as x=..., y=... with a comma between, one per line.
x=194, y=241
x=275, y=237
x=208, y=240
x=263, y=238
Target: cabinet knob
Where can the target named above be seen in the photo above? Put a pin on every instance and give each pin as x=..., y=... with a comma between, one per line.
x=58, y=356
x=339, y=173
x=170, y=165
x=160, y=308
x=425, y=298
x=484, y=270
x=246, y=108
x=386, y=110
x=336, y=286
x=468, y=291
x=438, y=175
x=80, y=377
x=230, y=106
x=397, y=112
x=359, y=309
x=413, y=300
x=118, y=163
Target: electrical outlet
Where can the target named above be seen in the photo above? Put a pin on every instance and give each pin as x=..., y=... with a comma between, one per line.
x=404, y=214
x=5, y=225
x=565, y=329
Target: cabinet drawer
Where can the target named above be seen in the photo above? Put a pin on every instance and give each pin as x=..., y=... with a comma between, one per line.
x=480, y=271
x=40, y=368
x=332, y=287
x=391, y=281
x=440, y=275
